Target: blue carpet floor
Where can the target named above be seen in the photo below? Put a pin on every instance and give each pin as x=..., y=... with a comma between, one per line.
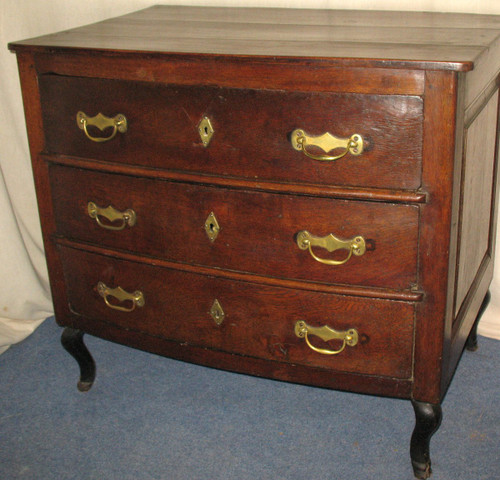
x=148, y=417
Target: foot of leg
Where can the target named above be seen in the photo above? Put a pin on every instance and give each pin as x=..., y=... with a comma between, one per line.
x=471, y=343
x=72, y=341
x=427, y=420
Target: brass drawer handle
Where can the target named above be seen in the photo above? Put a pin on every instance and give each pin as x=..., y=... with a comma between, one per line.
x=331, y=243
x=118, y=123
x=327, y=142
x=137, y=297
x=303, y=330
x=128, y=217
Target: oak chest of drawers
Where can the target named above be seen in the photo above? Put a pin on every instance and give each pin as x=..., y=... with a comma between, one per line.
x=290, y=194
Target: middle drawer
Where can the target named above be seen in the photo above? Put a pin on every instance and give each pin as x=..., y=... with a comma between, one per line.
x=283, y=236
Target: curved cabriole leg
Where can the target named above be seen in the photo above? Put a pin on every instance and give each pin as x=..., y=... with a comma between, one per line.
x=471, y=343
x=428, y=418
x=72, y=341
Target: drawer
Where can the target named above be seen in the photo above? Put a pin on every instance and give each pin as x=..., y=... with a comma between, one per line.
x=257, y=231
x=252, y=130
x=258, y=321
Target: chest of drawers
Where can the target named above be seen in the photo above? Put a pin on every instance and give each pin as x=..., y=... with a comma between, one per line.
x=289, y=194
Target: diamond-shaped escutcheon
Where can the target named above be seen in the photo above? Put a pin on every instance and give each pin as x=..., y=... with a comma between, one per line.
x=212, y=227
x=217, y=313
x=205, y=130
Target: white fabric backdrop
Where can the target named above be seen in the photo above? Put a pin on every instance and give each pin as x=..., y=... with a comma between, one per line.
x=24, y=295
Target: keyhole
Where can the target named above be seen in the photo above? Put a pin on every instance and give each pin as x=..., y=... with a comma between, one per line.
x=212, y=227
x=204, y=131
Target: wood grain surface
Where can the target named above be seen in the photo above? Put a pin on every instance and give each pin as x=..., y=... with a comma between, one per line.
x=454, y=41
x=419, y=87
x=252, y=130
x=259, y=320
x=257, y=230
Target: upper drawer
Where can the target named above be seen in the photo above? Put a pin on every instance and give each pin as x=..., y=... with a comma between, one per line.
x=252, y=130
x=257, y=231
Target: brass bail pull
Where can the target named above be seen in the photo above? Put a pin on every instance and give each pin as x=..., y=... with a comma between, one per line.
x=331, y=243
x=118, y=123
x=327, y=142
x=112, y=215
x=137, y=297
x=348, y=338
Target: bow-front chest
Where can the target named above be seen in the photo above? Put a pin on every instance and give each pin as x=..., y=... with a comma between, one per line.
x=302, y=195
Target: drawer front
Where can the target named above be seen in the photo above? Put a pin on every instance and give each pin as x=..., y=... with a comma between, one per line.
x=257, y=232
x=252, y=130
x=258, y=321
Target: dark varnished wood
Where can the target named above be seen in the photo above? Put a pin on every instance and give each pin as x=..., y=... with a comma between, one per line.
x=257, y=230
x=323, y=32
x=365, y=39
x=413, y=295
x=315, y=75
x=304, y=374
x=311, y=189
x=306, y=33
x=252, y=130
x=259, y=320
x=431, y=343
x=423, y=90
x=32, y=111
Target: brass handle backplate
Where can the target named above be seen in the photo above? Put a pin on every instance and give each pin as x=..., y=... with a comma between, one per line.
x=118, y=123
x=327, y=142
x=331, y=243
x=128, y=217
x=137, y=297
x=348, y=338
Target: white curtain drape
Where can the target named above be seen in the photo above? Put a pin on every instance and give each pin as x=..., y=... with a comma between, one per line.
x=24, y=292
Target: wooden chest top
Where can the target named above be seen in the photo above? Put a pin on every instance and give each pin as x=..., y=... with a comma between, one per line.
x=287, y=44
x=416, y=40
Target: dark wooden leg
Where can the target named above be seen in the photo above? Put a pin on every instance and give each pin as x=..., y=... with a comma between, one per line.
x=471, y=343
x=428, y=418
x=72, y=341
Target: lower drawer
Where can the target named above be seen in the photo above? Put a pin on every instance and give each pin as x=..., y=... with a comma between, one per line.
x=247, y=319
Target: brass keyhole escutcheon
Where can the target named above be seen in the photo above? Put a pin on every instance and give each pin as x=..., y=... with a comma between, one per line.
x=217, y=313
x=205, y=131
x=212, y=228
